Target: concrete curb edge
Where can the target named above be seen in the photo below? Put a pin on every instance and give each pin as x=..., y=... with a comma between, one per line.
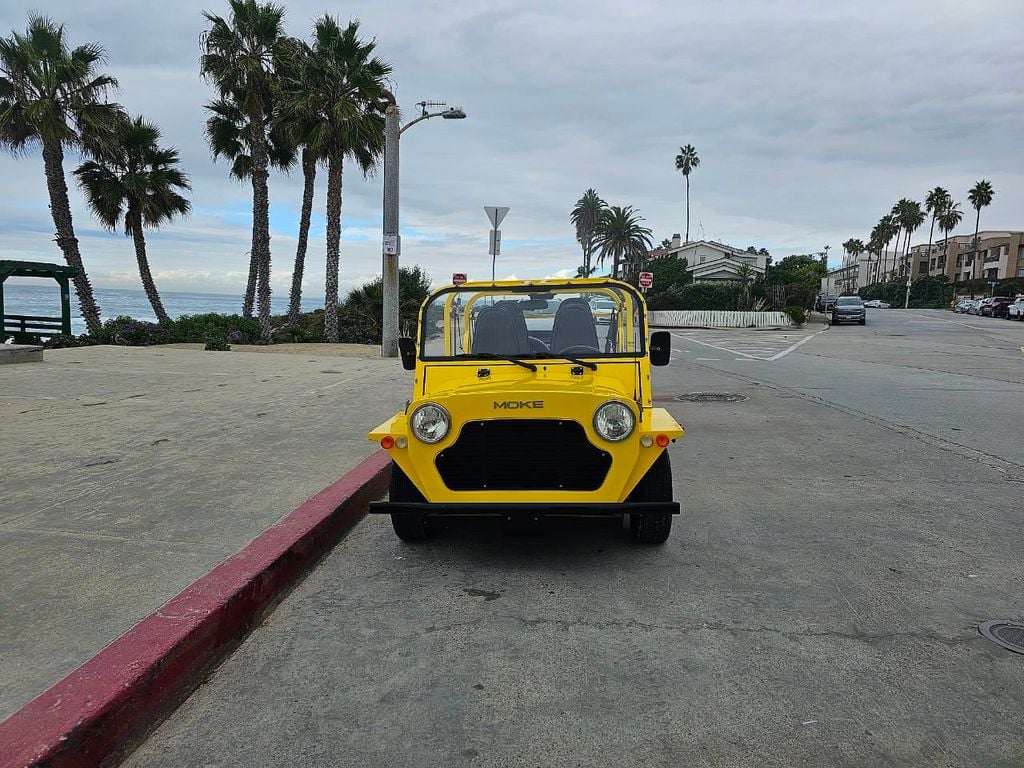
x=104, y=706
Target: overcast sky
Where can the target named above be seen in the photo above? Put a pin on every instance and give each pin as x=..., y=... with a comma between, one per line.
x=810, y=120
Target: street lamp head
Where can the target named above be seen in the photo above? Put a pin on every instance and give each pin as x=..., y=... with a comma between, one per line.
x=455, y=113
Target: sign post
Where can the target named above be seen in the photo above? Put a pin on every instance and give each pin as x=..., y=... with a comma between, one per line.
x=495, y=214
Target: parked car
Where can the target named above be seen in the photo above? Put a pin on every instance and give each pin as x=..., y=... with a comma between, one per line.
x=877, y=304
x=1016, y=310
x=961, y=306
x=824, y=303
x=974, y=307
x=849, y=309
x=518, y=415
x=997, y=306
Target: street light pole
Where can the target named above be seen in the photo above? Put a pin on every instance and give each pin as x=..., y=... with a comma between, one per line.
x=392, y=240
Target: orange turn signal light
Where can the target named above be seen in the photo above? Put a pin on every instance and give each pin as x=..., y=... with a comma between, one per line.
x=662, y=441
x=387, y=442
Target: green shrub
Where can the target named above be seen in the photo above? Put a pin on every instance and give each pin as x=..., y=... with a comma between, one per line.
x=721, y=296
x=194, y=329
x=796, y=313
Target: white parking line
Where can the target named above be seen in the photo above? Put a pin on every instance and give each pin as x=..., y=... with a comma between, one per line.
x=773, y=358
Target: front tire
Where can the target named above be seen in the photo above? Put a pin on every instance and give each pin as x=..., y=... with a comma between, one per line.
x=408, y=526
x=656, y=485
x=864, y=321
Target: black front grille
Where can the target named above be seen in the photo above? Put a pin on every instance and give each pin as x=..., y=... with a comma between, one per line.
x=523, y=455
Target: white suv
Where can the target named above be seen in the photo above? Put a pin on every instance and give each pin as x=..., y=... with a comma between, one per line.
x=1016, y=310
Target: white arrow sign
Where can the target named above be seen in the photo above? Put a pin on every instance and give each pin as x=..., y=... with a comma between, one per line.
x=496, y=214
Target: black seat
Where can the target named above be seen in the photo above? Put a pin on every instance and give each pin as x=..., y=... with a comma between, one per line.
x=494, y=333
x=573, y=327
x=515, y=313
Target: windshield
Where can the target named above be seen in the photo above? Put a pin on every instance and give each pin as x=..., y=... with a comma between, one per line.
x=848, y=301
x=601, y=320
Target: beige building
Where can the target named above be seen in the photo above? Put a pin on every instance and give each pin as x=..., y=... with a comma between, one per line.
x=710, y=261
x=1000, y=256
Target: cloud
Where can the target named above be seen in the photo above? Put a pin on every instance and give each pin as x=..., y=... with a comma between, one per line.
x=810, y=120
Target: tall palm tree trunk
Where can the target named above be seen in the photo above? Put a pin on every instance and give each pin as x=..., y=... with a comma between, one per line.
x=308, y=188
x=260, y=217
x=687, y=207
x=975, y=267
x=931, y=231
x=60, y=210
x=250, y=285
x=134, y=224
x=334, y=170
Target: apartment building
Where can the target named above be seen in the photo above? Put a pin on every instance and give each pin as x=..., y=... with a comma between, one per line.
x=1000, y=255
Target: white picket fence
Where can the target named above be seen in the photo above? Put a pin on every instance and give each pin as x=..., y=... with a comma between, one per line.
x=706, y=318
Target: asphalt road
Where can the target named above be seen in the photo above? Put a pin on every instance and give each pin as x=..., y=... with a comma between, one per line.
x=845, y=528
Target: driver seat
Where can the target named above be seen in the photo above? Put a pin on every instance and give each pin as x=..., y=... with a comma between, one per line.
x=573, y=327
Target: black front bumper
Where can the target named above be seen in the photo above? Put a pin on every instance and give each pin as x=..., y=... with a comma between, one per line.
x=539, y=509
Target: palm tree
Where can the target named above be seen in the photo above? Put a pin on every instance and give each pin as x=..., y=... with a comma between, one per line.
x=981, y=195
x=343, y=98
x=745, y=275
x=240, y=58
x=887, y=230
x=621, y=236
x=949, y=219
x=227, y=133
x=911, y=218
x=585, y=217
x=136, y=182
x=686, y=161
x=935, y=202
x=54, y=96
x=296, y=125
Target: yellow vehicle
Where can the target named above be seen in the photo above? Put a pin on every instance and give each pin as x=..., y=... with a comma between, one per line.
x=532, y=399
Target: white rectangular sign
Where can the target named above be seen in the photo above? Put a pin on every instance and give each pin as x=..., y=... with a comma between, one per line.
x=494, y=245
x=392, y=245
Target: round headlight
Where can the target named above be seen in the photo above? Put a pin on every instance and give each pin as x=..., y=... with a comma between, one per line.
x=430, y=423
x=614, y=421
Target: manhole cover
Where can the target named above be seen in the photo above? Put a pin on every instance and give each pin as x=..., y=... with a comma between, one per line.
x=710, y=397
x=1008, y=634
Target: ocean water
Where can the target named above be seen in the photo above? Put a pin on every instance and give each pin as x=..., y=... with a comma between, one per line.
x=44, y=299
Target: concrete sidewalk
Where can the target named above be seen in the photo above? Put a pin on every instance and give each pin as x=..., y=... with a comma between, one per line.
x=126, y=473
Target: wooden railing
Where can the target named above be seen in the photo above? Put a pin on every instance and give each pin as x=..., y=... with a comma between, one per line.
x=32, y=325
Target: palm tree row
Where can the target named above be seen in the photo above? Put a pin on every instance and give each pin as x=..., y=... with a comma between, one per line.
x=907, y=216
x=615, y=232
x=280, y=99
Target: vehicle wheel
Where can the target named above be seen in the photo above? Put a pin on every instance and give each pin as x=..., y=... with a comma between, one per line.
x=835, y=320
x=408, y=527
x=656, y=485
x=863, y=322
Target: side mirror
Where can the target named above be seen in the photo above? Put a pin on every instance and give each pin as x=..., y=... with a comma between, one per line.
x=661, y=347
x=407, y=349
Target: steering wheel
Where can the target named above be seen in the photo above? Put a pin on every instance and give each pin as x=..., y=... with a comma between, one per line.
x=579, y=349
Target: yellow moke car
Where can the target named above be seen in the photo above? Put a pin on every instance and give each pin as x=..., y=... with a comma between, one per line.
x=532, y=399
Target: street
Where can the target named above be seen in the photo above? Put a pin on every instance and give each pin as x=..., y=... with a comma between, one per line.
x=845, y=527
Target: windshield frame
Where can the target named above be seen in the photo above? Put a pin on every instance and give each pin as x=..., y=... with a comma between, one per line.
x=527, y=288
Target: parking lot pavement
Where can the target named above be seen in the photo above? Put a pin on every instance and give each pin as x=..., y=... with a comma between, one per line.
x=751, y=344
x=129, y=472
x=816, y=605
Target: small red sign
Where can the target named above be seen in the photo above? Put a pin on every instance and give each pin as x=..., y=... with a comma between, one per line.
x=646, y=280
x=458, y=278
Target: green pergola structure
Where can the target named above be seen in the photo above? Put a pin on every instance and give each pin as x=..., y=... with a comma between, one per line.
x=21, y=326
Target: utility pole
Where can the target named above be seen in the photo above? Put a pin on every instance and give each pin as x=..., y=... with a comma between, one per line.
x=392, y=245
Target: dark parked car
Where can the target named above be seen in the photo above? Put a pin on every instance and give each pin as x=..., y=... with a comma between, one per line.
x=997, y=307
x=849, y=309
x=823, y=302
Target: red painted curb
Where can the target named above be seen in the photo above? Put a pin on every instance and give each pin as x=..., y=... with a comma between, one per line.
x=95, y=712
